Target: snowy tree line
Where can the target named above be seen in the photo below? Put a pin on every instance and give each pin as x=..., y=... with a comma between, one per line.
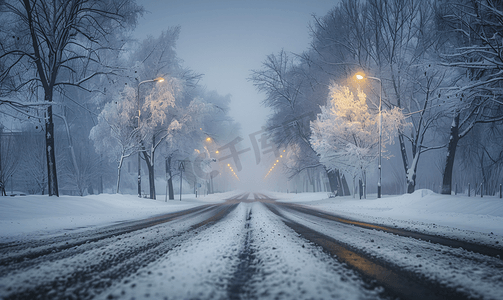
x=439, y=64
x=73, y=106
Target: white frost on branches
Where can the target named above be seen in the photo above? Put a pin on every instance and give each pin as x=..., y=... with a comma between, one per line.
x=158, y=106
x=345, y=134
x=116, y=134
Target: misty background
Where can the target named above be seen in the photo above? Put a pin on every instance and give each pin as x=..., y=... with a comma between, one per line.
x=273, y=79
x=225, y=40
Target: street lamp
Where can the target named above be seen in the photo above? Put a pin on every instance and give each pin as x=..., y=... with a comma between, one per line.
x=361, y=76
x=158, y=79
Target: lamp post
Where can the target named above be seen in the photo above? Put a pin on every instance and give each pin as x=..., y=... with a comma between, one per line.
x=361, y=76
x=158, y=79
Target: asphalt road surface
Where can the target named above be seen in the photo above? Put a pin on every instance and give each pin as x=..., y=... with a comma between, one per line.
x=249, y=247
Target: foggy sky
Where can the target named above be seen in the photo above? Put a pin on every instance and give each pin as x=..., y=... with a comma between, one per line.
x=226, y=39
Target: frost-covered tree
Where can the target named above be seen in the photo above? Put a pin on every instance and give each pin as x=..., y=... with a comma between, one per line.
x=157, y=122
x=154, y=57
x=169, y=111
x=345, y=134
x=116, y=134
x=474, y=31
x=51, y=44
x=294, y=97
x=397, y=42
x=185, y=138
x=163, y=120
x=168, y=118
x=206, y=125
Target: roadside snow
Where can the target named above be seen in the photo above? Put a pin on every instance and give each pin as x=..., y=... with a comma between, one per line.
x=473, y=219
x=472, y=273
x=467, y=218
x=205, y=264
x=97, y=259
x=36, y=215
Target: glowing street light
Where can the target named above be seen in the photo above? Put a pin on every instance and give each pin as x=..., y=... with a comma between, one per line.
x=361, y=76
x=158, y=79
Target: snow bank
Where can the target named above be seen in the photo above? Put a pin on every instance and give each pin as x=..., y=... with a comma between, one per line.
x=458, y=216
x=40, y=215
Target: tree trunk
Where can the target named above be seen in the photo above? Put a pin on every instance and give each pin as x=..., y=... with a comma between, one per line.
x=151, y=178
x=412, y=172
x=360, y=188
x=48, y=85
x=170, y=179
x=119, y=174
x=451, y=151
x=52, y=178
x=411, y=185
x=364, y=180
x=340, y=188
x=70, y=147
x=354, y=187
x=333, y=180
x=345, y=186
x=100, y=187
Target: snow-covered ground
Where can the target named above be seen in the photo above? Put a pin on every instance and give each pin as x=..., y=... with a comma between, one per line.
x=473, y=274
x=458, y=216
x=36, y=215
x=283, y=266
x=252, y=245
x=466, y=218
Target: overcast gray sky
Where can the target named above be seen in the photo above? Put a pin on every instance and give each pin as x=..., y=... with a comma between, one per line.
x=225, y=39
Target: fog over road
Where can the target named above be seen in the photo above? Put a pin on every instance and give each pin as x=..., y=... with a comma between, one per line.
x=248, y=247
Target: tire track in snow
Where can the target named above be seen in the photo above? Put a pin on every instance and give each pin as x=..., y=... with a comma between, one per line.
x=287, y=266
x=203, y=267
x=17, y=252
x=245, y=270
x=399, y=280
x=85, y=270
x=399, y=283
x=476, y=248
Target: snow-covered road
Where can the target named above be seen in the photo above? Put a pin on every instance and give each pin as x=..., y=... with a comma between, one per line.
x=248, y=247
